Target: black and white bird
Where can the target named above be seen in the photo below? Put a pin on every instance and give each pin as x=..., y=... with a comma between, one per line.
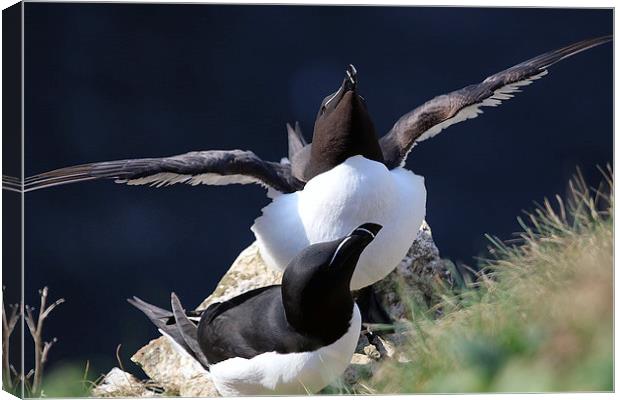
x=346, y=176
x=294, y=338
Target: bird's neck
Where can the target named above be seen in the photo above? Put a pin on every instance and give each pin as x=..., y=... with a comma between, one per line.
x=345, y=137
x=324, y=316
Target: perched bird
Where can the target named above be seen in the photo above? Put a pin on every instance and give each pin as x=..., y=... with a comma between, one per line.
x=293, y=338
x=346, y=176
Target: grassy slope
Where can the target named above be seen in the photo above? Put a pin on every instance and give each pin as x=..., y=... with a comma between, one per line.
x=540, y=318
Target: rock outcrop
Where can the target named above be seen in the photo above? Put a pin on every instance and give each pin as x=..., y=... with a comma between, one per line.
x=415, y=277
x=118, y=383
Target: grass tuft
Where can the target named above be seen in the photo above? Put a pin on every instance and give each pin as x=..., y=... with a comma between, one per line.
x=536, y=317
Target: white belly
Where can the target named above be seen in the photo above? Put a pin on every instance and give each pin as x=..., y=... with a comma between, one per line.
x=287, y=374
x=332, y=204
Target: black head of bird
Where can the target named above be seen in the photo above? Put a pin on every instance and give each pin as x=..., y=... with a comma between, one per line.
x=343, y=128
x=316, y=283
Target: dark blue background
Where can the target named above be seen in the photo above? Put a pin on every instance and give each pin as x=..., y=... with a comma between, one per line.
x=123, y=81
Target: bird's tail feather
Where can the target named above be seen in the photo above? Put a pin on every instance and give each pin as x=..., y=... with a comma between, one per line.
x=150, y=310
x=188, y=330
x=175, y=325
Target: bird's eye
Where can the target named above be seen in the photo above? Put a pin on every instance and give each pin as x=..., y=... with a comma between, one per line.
x=322, y=110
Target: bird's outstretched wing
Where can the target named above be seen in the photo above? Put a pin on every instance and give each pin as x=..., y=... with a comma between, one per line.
x=214, y=167
x=437, y=114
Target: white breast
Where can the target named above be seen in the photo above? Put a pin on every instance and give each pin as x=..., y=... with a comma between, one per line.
x=293, y=373
x=332, y=204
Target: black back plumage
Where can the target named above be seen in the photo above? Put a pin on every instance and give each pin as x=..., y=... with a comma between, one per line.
x=235, y=328
x=311, y=309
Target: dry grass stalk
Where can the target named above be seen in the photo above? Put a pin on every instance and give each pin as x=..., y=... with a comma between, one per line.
x=8, y=325
x=41, y=347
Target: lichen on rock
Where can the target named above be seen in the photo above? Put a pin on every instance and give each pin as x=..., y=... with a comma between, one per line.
x=118, y=383
x=415, y=278
x=176, y=373
x=247, y=272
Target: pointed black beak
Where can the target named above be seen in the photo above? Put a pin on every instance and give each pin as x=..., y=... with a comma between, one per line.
x=354, y=243
x=350, y=79
x=349, y=84
x=367, y=229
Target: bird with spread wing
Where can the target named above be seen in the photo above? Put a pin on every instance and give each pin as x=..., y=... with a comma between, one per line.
x=347, y=175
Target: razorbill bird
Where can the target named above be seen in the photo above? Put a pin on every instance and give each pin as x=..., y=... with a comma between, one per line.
x=294, y=338
x=344, y=177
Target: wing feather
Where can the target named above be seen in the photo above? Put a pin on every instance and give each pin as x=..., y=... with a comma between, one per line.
x=296, y=140
x=214, y=167
x=448, y=109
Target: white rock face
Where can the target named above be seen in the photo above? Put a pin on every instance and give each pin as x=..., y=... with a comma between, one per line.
x=415, y=276
x=247, y=272
x=118, y=383
x=176, y=373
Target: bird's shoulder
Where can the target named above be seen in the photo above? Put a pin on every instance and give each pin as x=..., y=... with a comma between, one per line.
x=249, y=325
x=240, y=303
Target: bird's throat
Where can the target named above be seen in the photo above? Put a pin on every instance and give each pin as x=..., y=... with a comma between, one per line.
x=345, y=134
